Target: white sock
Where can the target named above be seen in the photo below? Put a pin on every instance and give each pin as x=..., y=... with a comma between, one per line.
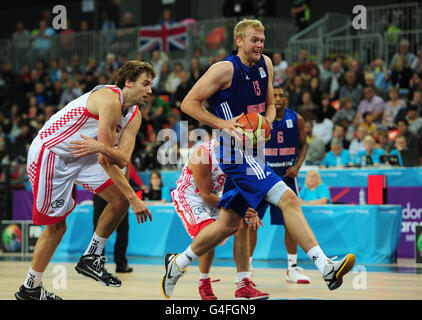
x=250, y=268
x=96, y=245
x=318, y=258
x=291, y=260
x=204, y=275
x=242, y=275
x=33, y=279
x=186, y=258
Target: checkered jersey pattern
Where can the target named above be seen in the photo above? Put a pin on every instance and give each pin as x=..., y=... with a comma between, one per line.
x=62, y=121
x=88, y=187
x=32, y=172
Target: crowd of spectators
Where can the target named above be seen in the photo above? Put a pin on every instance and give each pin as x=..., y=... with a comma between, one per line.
x=354, y=114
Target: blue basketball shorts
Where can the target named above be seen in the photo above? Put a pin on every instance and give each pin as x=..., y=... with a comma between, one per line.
x=248, y=185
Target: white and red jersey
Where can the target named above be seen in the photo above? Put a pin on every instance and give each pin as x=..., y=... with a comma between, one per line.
x=75, y=119
x=186, y=184
x=190, y=206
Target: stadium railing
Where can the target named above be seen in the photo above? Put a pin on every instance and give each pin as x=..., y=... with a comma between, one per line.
x=363, y=48
x=313, y=37
x=391, y=40
x=330, y=35
x=405, y=16
x=386, y=26
x=209, y=35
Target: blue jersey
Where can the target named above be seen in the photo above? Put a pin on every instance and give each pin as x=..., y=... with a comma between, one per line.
x=281, y=153
x=282, y=149
x=249, y=180
x=247, y=93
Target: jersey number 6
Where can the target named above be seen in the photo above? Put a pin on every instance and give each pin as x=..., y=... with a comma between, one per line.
x=280, y=137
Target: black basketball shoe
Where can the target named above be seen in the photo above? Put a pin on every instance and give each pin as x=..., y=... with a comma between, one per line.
x=38, y=293
x=92, y=266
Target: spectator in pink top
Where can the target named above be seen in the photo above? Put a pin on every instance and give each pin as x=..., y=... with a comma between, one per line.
x=372, y=104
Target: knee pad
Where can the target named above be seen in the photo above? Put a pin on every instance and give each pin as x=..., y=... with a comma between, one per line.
x=276, y=192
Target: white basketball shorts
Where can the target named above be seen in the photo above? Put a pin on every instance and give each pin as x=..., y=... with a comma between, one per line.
x=53, y=181
x=194, y=212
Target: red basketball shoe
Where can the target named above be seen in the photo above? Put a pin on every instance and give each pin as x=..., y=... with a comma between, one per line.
x=245, y=291
x=205, y=290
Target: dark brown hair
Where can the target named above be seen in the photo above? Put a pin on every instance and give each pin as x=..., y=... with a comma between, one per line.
x=131, y=70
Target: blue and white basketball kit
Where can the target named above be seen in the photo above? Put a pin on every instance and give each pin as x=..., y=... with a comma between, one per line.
x=250, y=182
x=281, y=153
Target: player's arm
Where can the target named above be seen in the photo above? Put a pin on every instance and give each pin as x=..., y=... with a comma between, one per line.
x=218, y=76
x=89, y=146
x=107, y=105
x=126, y=146
x=270, y=111
x=120, y=156
x=200, y=167
x=109, y=111
x=293, y=171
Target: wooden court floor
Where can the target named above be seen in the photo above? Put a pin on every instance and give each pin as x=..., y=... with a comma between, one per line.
x=144, y=283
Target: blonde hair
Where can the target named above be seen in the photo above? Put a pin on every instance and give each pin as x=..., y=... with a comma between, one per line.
x=315, y=172
x=245, y=24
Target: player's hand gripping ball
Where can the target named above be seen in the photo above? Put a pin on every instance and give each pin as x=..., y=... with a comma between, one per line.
x=256, y=129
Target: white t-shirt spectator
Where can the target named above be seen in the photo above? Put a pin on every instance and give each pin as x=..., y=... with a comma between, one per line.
x=323, y=130
x=279, y=73
x=355, y=146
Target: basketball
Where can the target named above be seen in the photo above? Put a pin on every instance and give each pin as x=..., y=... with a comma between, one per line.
x=255, y=128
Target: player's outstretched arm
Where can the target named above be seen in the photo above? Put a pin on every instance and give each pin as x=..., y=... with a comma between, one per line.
x=138, y=206
x=123, y=153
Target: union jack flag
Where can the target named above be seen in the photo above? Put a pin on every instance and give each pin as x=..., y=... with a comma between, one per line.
x=165, y=37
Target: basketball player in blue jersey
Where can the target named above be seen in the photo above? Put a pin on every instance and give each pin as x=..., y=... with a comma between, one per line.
x=284, y=154
x=243, y=84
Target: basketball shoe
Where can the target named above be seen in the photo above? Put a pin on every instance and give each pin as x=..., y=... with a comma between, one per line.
x=205, y=290
x=245, y=291
x=38, y=293
x=334, y=271
x=295, y=275
x=92, y=266
x=172, y=275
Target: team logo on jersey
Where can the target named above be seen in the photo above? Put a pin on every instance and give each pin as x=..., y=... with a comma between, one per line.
x=199, y=210
x=262, y=72
x=247, y=77
x=57, y=204
x=289, y=123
